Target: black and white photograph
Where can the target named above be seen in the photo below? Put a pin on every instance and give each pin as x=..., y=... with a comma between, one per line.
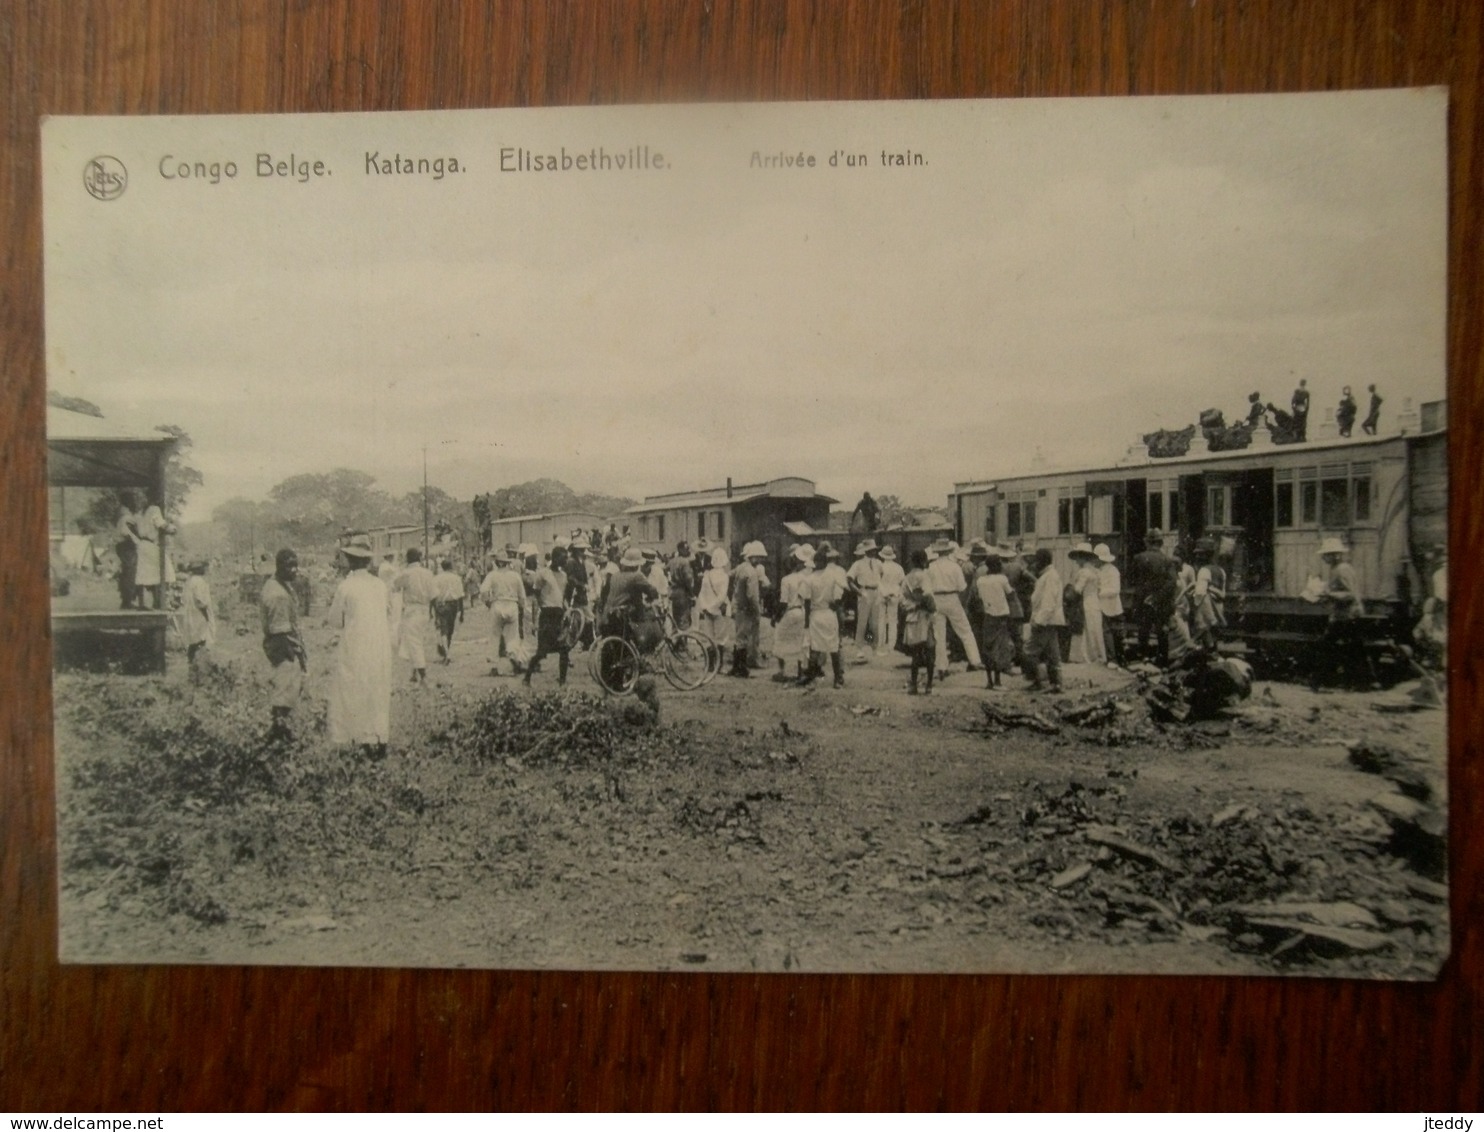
x=960, y=536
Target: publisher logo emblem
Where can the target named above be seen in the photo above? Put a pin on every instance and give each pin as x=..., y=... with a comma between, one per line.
x=105, y=177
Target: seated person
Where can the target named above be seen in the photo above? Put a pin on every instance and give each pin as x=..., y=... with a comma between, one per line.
x=626, y=597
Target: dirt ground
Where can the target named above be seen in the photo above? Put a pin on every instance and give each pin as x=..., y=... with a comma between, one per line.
x=757, y=827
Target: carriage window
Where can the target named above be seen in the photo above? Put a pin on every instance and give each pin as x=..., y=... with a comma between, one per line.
x=1156, y=509
x=1030, y=518
x=721, y=525
x=1175, y=513
x=1079, y=515
x=1334, y=504
x=1283, y=505
x=660, y=522
x=1063, y=516
x=700, y=524
x=1309, y=503
x=1216, y=498
x=1361, y=485
x=1012, y=519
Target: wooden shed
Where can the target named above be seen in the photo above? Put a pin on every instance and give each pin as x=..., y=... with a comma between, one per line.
x=89, y=632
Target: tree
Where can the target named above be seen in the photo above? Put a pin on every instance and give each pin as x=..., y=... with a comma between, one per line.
x=180, y=477
x=315, y=507
x=247, y=526
x=535, y=497
x=896, y=514
x=75, y=404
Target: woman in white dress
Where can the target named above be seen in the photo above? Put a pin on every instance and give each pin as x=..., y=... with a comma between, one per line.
x=823, y=592
x=713, y=613
x=1087, y=646
x=155, y=568
x=789, y=640
x=361, y=682
x=1110, y=599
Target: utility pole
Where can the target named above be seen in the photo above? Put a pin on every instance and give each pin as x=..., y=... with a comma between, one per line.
x=425, y=503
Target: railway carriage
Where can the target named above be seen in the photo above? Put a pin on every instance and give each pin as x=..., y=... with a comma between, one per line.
x=1268, y=506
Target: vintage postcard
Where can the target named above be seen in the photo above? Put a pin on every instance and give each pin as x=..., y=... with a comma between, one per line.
x=983, y=536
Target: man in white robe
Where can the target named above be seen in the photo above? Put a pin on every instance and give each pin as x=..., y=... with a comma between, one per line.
x=418, y=589
x=361, y=681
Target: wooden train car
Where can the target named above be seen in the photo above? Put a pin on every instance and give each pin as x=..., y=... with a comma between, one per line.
x=1270, y=505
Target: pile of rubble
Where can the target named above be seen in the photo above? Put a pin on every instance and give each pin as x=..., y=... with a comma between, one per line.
x=1279, y=881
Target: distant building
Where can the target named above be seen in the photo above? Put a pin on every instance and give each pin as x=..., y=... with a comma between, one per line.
x=395, y=540
x=731, y=516
x=543, y=530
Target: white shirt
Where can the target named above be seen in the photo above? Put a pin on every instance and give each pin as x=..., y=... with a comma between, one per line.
x=892, y=577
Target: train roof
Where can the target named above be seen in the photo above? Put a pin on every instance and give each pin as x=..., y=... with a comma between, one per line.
x=1236, y=460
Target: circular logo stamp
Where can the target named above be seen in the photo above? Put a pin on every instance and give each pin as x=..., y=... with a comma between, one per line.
x=105, y=177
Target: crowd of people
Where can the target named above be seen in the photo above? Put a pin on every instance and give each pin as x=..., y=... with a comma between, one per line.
x=984, y=597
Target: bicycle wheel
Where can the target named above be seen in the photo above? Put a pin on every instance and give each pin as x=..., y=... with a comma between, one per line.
x=574, y=621
x=713, y=654
x=615, y=665
x=687, y=660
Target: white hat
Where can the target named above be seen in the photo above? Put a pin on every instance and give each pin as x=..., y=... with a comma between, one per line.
x=805, y=554
x=1331, y=546
x=865, y=546
x=888, y=553
x=719, y=558
x=632, y=557
x=1083, y=548
x=1103, y=553
x=754, y=549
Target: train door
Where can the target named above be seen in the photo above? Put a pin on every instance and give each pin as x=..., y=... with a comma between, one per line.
x=1135, y=521
x=1252, y=510
x=1191, y=521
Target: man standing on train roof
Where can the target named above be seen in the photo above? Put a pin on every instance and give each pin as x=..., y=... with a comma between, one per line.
x=282, y=643
x=864, y=577
x=1373, y=417
x=1300, y=406
x=868, y=512
x=946, y=578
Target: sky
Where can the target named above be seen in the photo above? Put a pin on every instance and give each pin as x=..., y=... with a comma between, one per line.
x=1056, y=277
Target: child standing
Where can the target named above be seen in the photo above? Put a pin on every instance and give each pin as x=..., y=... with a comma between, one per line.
x=198, y=615
x=995, y=595
x=917, y=636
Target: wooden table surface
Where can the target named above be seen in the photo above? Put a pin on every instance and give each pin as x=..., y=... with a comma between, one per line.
x=182, y=1038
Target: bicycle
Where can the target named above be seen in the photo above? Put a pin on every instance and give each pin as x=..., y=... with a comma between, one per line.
x=686, y=658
